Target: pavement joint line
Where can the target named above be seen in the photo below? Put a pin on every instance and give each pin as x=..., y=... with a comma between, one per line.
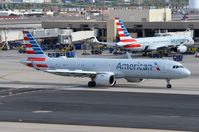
x=161, y=91
x=10, y=94
x=183, y=92
x=42, y=111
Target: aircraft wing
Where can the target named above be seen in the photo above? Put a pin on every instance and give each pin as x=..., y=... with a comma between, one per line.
x=105, y=43
x=74, y=73
x=152, y=47
x=110, y=44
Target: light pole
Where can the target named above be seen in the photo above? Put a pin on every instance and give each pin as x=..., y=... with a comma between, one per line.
x=103, y=10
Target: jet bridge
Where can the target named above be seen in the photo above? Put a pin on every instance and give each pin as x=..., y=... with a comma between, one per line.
x=82, y=35
x=13, y=35
x=64, y=34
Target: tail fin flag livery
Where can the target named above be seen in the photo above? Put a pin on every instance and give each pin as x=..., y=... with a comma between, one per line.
x=122, y=31
x=36, y=56
x=32, y=47
x=125, y=39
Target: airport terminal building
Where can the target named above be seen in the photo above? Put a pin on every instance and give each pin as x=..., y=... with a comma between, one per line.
x=106, y=30
x=139, y=24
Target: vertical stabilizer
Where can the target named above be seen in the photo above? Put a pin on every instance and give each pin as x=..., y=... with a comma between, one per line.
x=33, y=49
x=124, y=35
x=36, y=55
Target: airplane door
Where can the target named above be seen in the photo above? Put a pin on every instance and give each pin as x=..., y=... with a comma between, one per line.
x=164, y=68
x=80, y=66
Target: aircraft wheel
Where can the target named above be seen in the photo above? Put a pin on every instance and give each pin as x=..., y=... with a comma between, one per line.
x=91, y=84
x=169, y=86
x=168, y=83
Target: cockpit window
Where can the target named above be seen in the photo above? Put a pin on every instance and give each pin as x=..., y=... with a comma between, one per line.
x=177, y=66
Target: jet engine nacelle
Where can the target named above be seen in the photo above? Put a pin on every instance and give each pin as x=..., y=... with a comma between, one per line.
x=181, y=49
x=135, y=80
x=105, y=79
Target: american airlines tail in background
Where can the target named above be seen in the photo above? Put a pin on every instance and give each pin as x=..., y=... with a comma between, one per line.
x=177, y=43
x=103, y=71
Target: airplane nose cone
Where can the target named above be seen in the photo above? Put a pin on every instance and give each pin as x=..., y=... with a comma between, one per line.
x=187, y=73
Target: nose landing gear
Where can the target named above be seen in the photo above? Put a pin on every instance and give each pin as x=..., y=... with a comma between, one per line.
x=168, y=84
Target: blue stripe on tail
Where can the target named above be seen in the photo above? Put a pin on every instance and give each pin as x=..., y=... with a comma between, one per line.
x=35, y=46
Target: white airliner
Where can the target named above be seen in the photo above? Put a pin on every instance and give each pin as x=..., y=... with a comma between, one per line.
x=176, y=43
x=103, y=71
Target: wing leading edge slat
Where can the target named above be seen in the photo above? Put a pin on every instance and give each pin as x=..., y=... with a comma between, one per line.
x=74, y=73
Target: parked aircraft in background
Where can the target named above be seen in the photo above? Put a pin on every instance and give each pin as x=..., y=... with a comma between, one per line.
x=7, y=13
x=34, y=13
x=103, y=71
x=176, y=43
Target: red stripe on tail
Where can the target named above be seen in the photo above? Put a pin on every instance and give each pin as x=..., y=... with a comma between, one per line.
x=28, y=45
x=26, y=38
x=128, y=40
x=24, y=32
x=42, y=65
x=132, y=46
x=30, y=52
x=121, y=35
x=117, y=23
x=119, y=29
x=36, y=59
x=29, y=64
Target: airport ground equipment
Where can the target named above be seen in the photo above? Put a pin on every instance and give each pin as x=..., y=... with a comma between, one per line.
x=197, y=55
x=97, y=49
x=191, y=50
x=178, y=57
x=103, y=71
x=69, y=54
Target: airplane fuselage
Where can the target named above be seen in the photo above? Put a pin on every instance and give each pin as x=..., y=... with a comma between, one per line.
x=154, y=42
x=122, y=68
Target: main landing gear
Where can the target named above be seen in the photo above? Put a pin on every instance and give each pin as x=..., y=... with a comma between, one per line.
x=168, y=83
x=91, y=84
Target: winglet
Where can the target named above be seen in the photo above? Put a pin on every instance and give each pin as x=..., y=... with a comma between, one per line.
x=95, y=39
x=34, y=65
x=128, y=55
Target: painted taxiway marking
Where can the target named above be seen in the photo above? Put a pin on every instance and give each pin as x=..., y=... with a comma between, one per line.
x=40, y=127
x=42, y=111
x=137, y=90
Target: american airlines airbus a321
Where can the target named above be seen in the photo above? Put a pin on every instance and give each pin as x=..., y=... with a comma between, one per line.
x=177, y=43
x=103, y=72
